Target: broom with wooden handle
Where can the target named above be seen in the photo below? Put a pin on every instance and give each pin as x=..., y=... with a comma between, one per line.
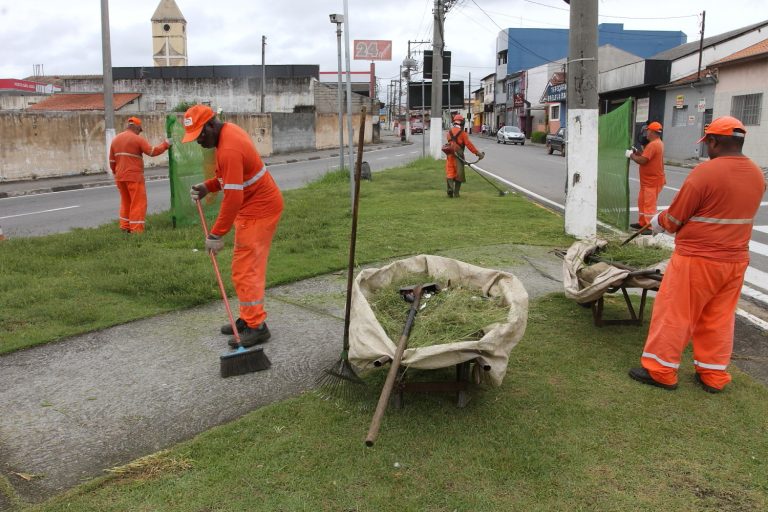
x=240, y=360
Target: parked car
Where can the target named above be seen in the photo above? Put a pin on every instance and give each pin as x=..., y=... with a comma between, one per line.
x=556, y=142
x=511, y=134
x=417, y=127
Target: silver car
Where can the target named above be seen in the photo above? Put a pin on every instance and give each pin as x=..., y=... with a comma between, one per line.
x=510, y=134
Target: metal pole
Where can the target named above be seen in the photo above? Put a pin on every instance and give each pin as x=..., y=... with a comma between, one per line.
x=423, y=121
x=263, y=71
x=701, y=42
x=349, y=102
x=109, y=103
x=340, y=100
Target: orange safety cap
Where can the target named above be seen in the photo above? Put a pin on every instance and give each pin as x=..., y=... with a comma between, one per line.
x=724, y=126
x=194, y=120
x=458, y=118
x=655, y=126
x=134, y=120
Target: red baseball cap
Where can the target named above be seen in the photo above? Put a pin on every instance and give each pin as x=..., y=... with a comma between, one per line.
x=725, y=125
x=134, y=120
x=655, y=126
x=194, y=120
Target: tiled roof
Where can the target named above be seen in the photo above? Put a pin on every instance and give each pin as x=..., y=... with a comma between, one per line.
x=757, y=49
x=88, y=101
x=693, y=47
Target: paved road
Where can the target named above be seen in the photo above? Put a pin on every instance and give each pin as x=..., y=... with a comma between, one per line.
x=56, y=212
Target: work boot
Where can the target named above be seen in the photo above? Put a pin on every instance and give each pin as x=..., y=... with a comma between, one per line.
x=635, y=225
x=227, y=328
x=706, y=387
x=250, y=336
x=456, y=188
x=449, y=184
x=642, y=375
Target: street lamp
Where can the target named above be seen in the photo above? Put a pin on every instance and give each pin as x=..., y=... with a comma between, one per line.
x=338, y=19
x=408, y=65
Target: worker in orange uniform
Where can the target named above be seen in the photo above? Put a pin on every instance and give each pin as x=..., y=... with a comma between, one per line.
x=127, y=163
x=454, y=165
x=252, y=202
x=652, y=178
x=712, y=215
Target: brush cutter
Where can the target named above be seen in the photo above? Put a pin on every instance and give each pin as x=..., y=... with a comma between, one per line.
x=334, y=379
x=240, y=360
x=471, y=165
x=412, y=295
x=635, y=234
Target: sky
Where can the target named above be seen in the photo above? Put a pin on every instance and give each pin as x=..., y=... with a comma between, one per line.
x=65, y=36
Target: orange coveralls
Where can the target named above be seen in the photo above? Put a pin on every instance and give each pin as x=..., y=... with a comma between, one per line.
x=652, y=181
x=462, y=139
x=127, y=163
x=712, y=215
x=253, y=204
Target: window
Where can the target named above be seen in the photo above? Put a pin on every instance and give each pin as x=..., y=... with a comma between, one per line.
x=554, y=112
x=747, y=108
x=680, y=116
x=160, y=105
x=501, y=58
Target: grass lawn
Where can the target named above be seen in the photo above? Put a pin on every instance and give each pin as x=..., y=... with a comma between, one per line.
x=57, y=286
x=568, y=430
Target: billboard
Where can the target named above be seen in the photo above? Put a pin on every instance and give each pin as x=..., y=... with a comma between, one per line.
x=371, y=49
x=428, y=64
x=456, y=95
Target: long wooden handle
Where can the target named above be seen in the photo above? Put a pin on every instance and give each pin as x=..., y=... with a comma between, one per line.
x=386, y=391
x=634, y=235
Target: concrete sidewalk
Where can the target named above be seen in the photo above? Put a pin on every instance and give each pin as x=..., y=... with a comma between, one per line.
x=79, y=181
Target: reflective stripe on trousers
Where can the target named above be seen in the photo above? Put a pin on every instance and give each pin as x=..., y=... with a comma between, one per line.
x=253, y=238
x=133, y=205
x=697, y=300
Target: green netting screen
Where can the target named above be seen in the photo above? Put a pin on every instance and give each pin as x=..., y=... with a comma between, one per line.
x=614, y=138
x=188, y=164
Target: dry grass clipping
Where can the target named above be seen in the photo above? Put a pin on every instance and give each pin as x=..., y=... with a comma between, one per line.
x=633, y=255
x=454, y=314
x=152, y=466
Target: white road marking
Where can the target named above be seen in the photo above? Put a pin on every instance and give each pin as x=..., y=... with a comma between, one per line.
x=41, y=211
x=669, y=188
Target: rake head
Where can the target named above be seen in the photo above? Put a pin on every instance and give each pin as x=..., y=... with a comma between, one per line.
x=339, y=380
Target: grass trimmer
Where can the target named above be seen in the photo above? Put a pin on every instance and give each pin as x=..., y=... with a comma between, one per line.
x=471, y=165
x=334, y=379
x=240, y=360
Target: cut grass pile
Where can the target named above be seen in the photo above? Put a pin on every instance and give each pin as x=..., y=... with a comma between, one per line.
x=454, y=314
x=633, y=255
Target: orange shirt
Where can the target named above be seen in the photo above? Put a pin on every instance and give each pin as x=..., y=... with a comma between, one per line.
x=126, y=155
x=652, y=172
x=249, y=190
x=714, y=210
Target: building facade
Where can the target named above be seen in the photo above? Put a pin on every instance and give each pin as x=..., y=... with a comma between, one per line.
x=169, y=35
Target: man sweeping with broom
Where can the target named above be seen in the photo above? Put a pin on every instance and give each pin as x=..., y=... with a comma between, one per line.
x=252, y=203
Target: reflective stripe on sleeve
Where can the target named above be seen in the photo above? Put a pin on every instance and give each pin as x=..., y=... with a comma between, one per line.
x=712, y=220
x=673, y=220
x=710, y=366
x=233, y=186
x=660, y=360
x=129, y=154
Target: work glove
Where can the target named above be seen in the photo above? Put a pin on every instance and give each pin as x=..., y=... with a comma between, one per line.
x=655, y=226
x=198, y=192
x=169, y=141
x=481, y=155
x=214, y=244
x=628, y=153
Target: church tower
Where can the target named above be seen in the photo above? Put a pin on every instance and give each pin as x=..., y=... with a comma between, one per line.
x=169, y=35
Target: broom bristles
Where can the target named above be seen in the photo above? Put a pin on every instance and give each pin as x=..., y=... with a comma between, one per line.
x=244, y=360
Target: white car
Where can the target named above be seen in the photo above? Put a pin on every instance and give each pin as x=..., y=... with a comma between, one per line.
x=510, y=134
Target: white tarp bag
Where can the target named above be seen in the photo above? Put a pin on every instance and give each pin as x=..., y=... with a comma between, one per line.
x=587, y=283
x=368, y=341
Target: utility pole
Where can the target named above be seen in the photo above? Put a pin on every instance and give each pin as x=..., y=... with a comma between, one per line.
x=701, y=42
x=409, y=64
x=469, y=102
x=263, y=71
x=338, y=20
x=349, y=103
x=436, y=120
x=582, y=105
x=109, y=102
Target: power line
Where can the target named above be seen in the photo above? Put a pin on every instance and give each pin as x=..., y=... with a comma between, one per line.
x=618, y=17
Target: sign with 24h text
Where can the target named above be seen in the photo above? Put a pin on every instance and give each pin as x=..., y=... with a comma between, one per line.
x=368, y=49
